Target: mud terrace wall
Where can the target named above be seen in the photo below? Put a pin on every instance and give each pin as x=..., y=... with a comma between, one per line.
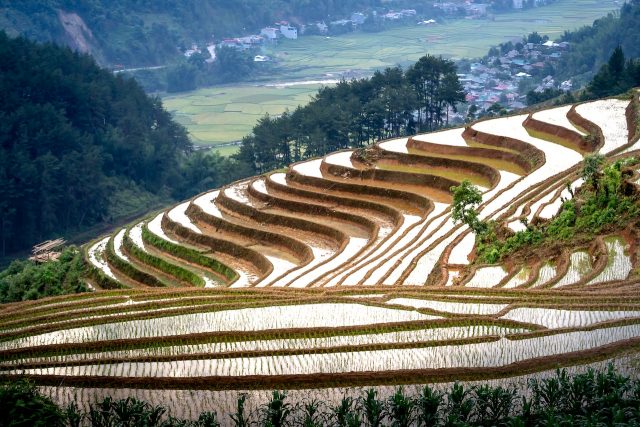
x=346, y=272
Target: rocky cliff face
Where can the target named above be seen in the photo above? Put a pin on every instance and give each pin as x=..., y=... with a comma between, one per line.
x=77, y=34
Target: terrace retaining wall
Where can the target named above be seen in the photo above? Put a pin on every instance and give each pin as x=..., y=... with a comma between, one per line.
x=554, y=133
x=423, y=204
x=289, y=222
x=596, y=140
x=530, y=155
x=433, y=182
x=259, y=261
x=481, y=153
x=308, y=208
x=384, y=210
x=295, y=248
x=412, y=160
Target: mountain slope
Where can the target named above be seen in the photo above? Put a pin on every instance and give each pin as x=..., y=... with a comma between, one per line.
x=149, y=32
x=348, y=271
x=75, y=143
x=382, y=215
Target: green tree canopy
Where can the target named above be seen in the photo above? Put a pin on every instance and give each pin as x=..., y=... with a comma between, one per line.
x=79, y=146
x=466, y=199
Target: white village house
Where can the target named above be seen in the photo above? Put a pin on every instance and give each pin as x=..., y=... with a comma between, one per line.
x=269, y=33
x=288, y=31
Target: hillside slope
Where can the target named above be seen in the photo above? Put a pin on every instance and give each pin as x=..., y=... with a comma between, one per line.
x=382, y=215
x=77, y=145
x=148, y=32
x=349, y=271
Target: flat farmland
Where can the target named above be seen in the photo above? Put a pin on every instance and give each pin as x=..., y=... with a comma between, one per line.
x=460, y=38
x=219, y=115
x=222, y=114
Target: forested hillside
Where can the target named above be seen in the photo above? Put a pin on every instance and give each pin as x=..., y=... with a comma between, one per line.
x=80, y=146
x=591, y=46
x=149, y=32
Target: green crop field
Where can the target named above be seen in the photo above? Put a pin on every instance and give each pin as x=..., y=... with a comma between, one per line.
x=217, y=115
x=227, y=113
x=312, y=56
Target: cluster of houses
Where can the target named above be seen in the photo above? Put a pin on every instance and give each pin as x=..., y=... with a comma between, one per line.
x=267, y=34
x=467, y=8
x=284, y=29
x=498, y=79
x=357, y=19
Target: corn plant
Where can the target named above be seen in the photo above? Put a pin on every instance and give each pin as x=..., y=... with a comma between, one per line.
x=311, y=414
x=400, y=409
x=373, y=408
x=208, y=419
x=276, y=413
x=239, y=418
x=428, y=405
x=344, y=414
x=493, y=405
x=73, y=415
x=460, y=405
x=129, y=412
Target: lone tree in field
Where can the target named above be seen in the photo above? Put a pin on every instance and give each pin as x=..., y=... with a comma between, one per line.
x=466, y=198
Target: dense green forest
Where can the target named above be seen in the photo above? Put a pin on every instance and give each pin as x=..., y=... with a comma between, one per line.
x=79, y=146
x=357, y=113
x=592, y=398
x=591, y=46
x=616, y=76
x=150, y=32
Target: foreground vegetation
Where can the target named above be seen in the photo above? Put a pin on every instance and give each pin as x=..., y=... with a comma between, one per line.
x=603, y=398
x=26, y=280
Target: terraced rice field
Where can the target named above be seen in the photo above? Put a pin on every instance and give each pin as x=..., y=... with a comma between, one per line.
x=344, y=273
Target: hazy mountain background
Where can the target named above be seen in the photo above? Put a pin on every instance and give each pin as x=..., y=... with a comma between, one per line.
x=149, y=32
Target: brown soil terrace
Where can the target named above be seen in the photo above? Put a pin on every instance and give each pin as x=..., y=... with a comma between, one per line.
x=351, y=379
x=331, y=207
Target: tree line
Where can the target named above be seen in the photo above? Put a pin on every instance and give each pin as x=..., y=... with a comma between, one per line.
x=616, y=76
x=391, y=103
x=591, y=398
x=230, y=65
